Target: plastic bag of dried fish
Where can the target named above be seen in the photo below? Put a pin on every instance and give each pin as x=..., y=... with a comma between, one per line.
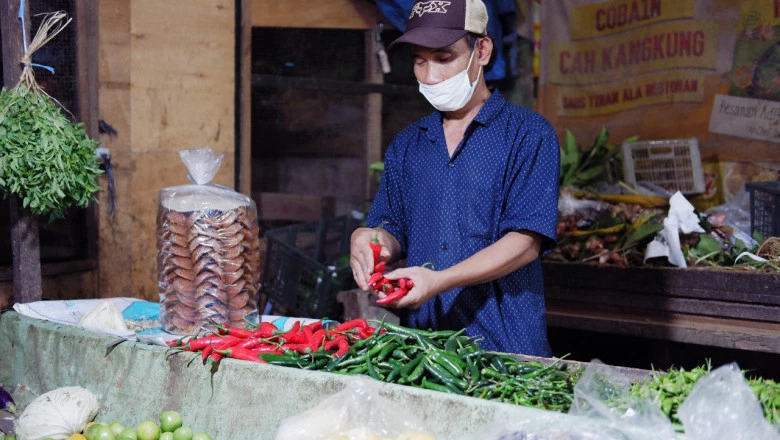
x=208, y=251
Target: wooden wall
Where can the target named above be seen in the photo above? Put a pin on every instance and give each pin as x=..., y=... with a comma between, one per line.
x=166, y=82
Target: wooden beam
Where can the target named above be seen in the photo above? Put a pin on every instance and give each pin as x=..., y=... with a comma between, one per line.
x=327, y=14
x=244, y=101
x=373, y=111
x=330, y=85
x=24, y=226
x=86, y=22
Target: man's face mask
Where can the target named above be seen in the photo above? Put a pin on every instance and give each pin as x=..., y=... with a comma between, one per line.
x=453, y=93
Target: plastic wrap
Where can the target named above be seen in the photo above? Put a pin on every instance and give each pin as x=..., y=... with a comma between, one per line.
x=602, y=393
x=208, y=251
x=722, y=405
x=356, y=413
x=565, y=429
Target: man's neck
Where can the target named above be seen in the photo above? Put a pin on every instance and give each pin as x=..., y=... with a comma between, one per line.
x=471, y=109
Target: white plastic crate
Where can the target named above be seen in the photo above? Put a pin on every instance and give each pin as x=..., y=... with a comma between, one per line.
x=673, y=164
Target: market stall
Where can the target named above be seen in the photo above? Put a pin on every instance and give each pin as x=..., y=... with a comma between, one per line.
x=638, y=255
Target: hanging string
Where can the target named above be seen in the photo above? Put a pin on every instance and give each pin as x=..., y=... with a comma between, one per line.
x=52, y=25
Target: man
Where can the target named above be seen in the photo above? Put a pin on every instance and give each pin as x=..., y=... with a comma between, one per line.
x=471, y=189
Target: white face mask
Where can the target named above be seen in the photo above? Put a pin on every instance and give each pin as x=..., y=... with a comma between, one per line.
x=453, y=93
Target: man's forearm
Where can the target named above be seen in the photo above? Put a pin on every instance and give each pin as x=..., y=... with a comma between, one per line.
x=511, y=252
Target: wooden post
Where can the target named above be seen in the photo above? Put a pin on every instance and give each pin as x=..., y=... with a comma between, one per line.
x=373, y=106
x=24, y=226
x=244, y=96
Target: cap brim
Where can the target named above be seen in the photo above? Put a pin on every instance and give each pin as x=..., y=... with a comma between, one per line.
x=432, y=38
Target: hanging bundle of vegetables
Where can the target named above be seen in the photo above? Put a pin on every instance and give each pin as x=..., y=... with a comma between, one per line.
x=46, y=160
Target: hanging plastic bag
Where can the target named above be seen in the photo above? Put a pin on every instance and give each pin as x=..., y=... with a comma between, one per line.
x=722, y=405
x=356, y=413
x=208, y=251
x=603, y=393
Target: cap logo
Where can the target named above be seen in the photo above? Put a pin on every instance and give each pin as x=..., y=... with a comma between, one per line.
x=433, y=6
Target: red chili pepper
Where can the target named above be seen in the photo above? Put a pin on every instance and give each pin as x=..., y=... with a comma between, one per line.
x=200, y=343
x=272, y=349
x=316, y=340
x=355, y=323
x=343, y=347
x=239, y=353
x=300, y=348
x=206, y=352
x=265, y=330
x=334, y=343
x=388, y=288
x=251, y=343
x=375, y=277
x=215, y=357
x=307, y=332
x=234, y=331
x=398, y=294
x=316, y=325
x=402, y=283
x=380, y=267
x=364, y=333
x=225, y=342
x=409, y=284
x=376, y=248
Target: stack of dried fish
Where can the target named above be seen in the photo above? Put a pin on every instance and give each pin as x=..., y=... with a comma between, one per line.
x=208, y=265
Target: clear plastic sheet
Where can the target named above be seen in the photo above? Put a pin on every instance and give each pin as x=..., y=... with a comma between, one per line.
x=603, y=393
x=722, y=405
x=208, y=251
x=356, y=413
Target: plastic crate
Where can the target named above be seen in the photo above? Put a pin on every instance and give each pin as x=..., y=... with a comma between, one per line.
x=307, y=264
x=672, y=164
x=764, y=208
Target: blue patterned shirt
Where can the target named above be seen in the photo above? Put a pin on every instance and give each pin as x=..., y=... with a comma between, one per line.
x=502, y=177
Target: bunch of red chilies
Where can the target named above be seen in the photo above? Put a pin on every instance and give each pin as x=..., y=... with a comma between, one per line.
x=394, y=289
x=267, y=339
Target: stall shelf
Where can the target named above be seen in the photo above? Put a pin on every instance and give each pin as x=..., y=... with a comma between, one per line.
x=733, y=309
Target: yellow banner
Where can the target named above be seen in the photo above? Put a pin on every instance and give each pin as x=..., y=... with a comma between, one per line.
x=688, y=44
x=615, y=16
x=657, y=88
x=757, y=18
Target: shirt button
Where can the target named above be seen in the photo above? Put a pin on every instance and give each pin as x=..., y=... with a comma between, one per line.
x=444, y=247
x=451, y=164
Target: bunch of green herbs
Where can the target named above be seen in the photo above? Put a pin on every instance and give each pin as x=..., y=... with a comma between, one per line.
x=46, y=160
x=583, y=166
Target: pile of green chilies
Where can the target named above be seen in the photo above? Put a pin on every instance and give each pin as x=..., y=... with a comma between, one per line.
x=446, y=361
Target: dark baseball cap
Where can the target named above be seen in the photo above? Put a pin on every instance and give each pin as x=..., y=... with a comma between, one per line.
x=440, y=23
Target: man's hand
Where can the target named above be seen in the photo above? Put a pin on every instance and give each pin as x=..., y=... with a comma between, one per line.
x=361, y=257
x=426, y=285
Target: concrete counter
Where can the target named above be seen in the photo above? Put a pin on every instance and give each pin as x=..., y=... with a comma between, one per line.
x=242, y=400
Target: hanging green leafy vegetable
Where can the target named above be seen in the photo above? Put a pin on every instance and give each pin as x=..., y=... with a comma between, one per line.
x=46, y=160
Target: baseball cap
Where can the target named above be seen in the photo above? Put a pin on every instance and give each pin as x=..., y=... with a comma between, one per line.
x=440, y=23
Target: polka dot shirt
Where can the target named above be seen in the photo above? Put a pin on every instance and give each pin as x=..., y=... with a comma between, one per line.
x=502, y=177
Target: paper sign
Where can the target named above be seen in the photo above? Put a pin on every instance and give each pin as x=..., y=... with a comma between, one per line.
x=684, y=44
x=658, y=88
x=746, y=118
x=607, y=18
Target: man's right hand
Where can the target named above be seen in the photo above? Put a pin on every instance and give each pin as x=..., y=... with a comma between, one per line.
x=362, y=257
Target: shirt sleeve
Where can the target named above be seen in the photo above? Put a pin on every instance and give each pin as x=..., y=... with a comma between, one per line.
x=387, y=208
x=531, y=197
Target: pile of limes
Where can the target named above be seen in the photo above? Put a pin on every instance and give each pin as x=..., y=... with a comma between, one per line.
x=170, y=427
